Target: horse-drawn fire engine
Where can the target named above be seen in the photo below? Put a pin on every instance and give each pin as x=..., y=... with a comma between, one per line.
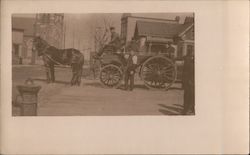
x=158, y=71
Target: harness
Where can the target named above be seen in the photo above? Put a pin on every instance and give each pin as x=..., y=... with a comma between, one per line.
x=56, y=62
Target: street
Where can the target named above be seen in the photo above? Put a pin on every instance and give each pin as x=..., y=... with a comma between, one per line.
x=91, y=98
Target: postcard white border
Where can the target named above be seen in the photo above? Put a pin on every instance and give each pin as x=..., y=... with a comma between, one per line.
x=221, y=78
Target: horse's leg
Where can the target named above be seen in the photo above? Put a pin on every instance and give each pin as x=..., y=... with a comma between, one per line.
x=74, y=74
x=72, y=79
x=52, y=73
x=80, y=70
x=47, y=70
x=93, y=69
x=79, y=75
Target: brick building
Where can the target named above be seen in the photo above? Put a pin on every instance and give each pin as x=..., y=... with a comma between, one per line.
x=152, y=34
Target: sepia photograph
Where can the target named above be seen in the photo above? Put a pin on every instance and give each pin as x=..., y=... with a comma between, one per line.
x=124, y=77
x=103, y=64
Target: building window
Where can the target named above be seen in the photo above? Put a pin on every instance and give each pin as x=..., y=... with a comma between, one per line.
x=180, y=52
x=190, y=48
x=158, y=48
x=193, y=33
x=15, y=50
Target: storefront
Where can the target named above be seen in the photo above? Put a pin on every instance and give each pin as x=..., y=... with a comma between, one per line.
x=17, y=42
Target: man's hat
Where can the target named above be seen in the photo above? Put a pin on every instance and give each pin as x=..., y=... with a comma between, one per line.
x=112, y=28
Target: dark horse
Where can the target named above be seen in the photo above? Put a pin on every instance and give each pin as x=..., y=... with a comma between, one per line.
x=53, y=56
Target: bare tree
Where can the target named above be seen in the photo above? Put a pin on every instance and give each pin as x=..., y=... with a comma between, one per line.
x=101, y=37
x=101, y=33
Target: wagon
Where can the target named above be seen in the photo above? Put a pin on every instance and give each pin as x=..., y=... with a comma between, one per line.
x=157, y=71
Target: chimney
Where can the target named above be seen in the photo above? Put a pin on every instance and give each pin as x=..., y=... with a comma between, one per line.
x=189, y=20
x=125, y=15
x=177, y=19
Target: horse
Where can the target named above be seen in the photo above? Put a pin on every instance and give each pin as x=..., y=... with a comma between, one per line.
x=53, y=56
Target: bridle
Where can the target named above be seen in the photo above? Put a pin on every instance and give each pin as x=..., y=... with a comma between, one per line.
x=39, y=49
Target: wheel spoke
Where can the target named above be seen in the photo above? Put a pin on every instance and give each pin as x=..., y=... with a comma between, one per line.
x=103, y=76
x=167, y=74
x=105, y=80
x=108, y=82
x=111, y=75
x=113, y=81
x=169, y=67
x=158, y=72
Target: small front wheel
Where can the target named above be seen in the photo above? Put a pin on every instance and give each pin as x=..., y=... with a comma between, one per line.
x=111, y=76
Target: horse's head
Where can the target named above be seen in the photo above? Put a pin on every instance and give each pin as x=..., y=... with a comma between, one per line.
x=39, y=45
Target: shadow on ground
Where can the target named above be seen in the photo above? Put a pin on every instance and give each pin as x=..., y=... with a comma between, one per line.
x=94, y=84
x=136, y=86
x=175, y=88
x=57, y=81
x=176, y=109
x=98, y=84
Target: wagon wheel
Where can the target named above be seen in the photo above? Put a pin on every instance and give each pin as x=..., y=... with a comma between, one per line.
x=111, y=76
x=158, y=73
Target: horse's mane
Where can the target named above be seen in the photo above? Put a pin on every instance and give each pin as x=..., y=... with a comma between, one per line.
x=41, y=40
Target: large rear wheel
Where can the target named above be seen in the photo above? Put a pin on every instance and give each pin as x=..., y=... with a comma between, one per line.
x=158, y=72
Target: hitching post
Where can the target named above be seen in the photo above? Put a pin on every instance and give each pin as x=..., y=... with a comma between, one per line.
x=28, y=93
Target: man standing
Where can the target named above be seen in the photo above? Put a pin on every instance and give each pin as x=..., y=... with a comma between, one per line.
x=133, y=45
x=115, y=39
x=188, y=83
x=170, y=50
x=76, y=64
x=130, y=70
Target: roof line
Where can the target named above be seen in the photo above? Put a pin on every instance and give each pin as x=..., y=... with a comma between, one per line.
x=28, y=35
x=152, y=18
x=182, y=33
x=17, y=29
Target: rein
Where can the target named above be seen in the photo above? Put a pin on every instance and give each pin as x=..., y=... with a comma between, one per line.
x=56, y=62
x=49, y=57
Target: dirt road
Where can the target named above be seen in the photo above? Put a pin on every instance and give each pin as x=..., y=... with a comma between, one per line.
x=91, y=99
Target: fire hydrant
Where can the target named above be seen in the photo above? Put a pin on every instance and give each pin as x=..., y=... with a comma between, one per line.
x=28, y=92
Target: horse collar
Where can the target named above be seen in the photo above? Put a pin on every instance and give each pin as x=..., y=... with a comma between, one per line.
x=45, y=49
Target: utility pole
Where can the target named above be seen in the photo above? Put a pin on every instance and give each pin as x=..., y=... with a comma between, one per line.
x=33, y=53
x=73, y=38
x=79, y=43
x=64, y=31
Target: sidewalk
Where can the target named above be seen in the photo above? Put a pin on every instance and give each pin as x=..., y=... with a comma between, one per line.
x=36, y=65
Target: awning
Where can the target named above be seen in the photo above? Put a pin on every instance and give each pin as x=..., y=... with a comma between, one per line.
x=159, y=39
